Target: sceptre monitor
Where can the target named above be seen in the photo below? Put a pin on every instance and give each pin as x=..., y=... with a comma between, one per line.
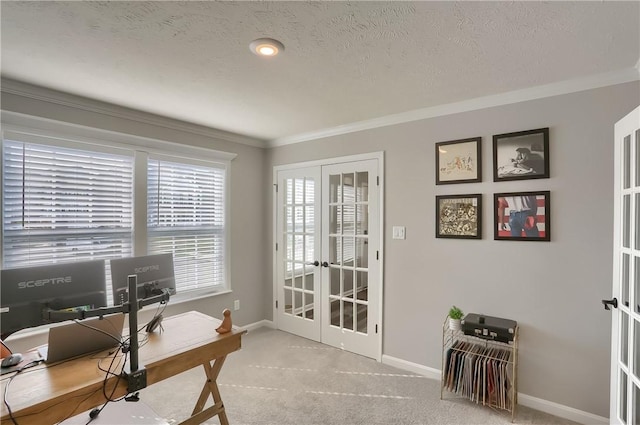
x=154, y=274
x=28, y=293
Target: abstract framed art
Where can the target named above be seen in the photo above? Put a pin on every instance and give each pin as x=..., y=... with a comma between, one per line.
x=459, y=216
x=459, y=161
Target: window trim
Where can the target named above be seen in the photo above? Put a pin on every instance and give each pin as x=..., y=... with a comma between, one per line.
x=38, y=130
x=28, y=124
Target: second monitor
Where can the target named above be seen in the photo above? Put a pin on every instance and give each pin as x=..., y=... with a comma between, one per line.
x=154, y=273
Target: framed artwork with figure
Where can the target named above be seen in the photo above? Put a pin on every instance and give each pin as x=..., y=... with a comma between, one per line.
x=522, y=216
x=459, y=161
x=521, y=156
x=459, y=216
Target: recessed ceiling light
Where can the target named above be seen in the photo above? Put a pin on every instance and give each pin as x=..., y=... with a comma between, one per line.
x=266, y=47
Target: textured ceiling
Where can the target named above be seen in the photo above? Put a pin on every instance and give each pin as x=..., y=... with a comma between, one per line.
x=343, y=62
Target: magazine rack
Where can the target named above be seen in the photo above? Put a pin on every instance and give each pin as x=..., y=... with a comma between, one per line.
x=484, y=371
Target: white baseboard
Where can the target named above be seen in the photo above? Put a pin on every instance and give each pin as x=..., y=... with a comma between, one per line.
x=257, y=325
x=419, y=369
x=560, y=410
x=545, y=406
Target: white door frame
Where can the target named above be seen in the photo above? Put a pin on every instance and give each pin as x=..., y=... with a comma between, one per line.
x=318, y=163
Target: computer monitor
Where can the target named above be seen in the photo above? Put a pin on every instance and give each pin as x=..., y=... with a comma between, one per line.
x=28, y=293
x=154, y=276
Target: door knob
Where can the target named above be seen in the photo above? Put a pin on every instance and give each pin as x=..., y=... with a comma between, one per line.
x=315, y=263
x=325, y=264
x=607, y=303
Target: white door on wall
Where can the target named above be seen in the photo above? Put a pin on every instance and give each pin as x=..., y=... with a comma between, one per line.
x=298, y=252
x=625, y=334
x=327, y=262
x=350, y=239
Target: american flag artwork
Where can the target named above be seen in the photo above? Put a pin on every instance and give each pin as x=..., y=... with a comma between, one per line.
x=540, y=220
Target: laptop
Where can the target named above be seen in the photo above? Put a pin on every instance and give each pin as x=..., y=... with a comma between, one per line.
x=73, y=339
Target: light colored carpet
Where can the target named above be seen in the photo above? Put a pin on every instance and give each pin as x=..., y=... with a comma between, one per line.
x=279, y=378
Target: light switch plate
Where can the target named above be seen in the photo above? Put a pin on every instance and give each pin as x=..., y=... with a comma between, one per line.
x=398, y=232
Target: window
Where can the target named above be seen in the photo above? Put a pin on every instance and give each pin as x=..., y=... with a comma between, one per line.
x=65, y=201
x=186, y=216
x=62, y=204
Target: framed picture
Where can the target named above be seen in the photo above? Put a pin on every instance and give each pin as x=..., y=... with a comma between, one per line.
x=522, y=216
x=458, y=161
x=521, y=156
x=459, y=216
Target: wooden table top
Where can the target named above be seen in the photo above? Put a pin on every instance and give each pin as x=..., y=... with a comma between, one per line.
x=50, y=393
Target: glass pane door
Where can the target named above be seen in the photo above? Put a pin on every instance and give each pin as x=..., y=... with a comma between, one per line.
x=350, y=229
x=327, y=259
x=625, y=367
x=298, y=288
x=348, y=250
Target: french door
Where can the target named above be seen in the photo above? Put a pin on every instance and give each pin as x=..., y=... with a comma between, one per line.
x=350, y=303
x=625, y=336
x=298, y=252
x=327, y=262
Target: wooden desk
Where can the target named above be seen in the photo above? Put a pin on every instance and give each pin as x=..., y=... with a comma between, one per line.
x=49, y=394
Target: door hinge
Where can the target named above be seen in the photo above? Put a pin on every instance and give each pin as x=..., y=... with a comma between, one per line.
x=376, y=328
x=276, y=186
x=276, y=304
x=377, y=180
x=276, y=246
x=377, y=255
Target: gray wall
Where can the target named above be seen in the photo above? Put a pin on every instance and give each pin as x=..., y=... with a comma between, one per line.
x=248, y=260
x=553, y=289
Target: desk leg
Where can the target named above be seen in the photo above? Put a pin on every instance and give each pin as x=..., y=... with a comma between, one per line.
x=210, y=387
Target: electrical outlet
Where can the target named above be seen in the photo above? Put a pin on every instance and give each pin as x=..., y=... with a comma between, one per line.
x=236, y=305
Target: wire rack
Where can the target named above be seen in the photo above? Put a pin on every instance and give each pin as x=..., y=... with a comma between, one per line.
x=481, y=370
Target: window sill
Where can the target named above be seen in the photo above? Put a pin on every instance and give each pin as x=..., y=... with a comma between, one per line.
x=197, y=295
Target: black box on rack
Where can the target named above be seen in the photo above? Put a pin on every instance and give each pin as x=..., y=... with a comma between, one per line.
x=487, y=327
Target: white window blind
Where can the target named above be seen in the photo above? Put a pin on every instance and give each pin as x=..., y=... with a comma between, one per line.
x=186, y=217
x=62, y=204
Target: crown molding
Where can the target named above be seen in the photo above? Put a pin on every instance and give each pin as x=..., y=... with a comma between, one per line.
x=43, y=94
x=554, y=89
